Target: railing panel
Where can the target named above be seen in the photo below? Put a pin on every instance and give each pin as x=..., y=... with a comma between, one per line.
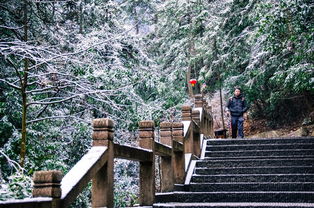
x=132, y=153
x=162, y=149
x=177, y=146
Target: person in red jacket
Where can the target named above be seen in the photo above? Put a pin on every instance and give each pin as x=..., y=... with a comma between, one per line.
x=237, y=106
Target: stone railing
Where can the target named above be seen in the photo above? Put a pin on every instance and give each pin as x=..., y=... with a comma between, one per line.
x=180, y=145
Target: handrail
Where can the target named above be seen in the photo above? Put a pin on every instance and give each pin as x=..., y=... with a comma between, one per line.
x=180, y=145
x=163, y=150
x=78, y=177
x=132, y=153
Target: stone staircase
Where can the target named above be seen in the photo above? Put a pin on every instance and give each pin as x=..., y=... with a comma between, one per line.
x=276, y=172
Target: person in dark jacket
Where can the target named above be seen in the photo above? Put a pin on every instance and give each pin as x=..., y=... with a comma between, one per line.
x=237, y=106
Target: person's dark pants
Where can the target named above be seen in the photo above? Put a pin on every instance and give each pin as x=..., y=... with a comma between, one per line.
x=237, y=126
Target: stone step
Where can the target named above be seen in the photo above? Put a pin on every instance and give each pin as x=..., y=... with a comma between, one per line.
x=260, y=141
x=234, y=205
x=242, y=153
x=245, y=196
x=216, y=163
x=180, y=187
x=255, y=170
x=249, y=173
x=237, y=147
x=261, y=186
x=252, y=178
x=274, y=157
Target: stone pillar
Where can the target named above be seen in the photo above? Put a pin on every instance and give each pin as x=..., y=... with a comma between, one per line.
x=147, y=169
x=196, y=133
x=198, y=101
x=167, y=178
x=178, y=158
x=204, y=123
x=209, y=128
x=205, y=103
x=196, y=117
x=186, y=113
x=47, y=184
x=187, y=116
x=102, y=183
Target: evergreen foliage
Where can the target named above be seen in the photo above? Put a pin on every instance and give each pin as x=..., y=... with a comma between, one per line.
x=130, y=60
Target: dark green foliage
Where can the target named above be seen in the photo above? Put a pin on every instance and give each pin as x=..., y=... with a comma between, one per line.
x=83, y=50
x=126, y=179
x=132, y=74
x=267, y=48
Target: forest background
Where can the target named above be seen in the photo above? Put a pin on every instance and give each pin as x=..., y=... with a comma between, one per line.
x=65, y=62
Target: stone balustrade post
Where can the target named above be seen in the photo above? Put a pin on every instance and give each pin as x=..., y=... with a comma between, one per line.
x=167, y=177
x=205, y=103
x=209, y=122
x=147, y=169
x=198, y=101
x=102, y=183
x=196, y=134
x=204, y=125
x=48, y=184
x=186, y=113
x=196, y=117
x=178, y=158
x=187, y=116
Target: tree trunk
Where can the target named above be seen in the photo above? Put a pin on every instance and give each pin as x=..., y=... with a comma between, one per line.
x=23, y=92
x=188, y=77
x=137, y=22
x=81, y=17
x=191, y=52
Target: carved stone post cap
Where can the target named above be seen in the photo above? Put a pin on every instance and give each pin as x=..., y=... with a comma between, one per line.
x=198, y=96
x=165, y=124
x=177, y=125
x=186, y=108
x=50, y=176
x=165, y=133
x=177, y=130
x=103, y=123
x=199, y=102
x=47, y=184
x=103, y=130
x=146, y=124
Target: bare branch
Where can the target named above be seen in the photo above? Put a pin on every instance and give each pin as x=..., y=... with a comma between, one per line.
x=47, y=89
x=10, y=28
x=11, y=85
x=50, y=1
x=12, y=163
x=55, y=117
x=52, y=102
x=16, y=70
